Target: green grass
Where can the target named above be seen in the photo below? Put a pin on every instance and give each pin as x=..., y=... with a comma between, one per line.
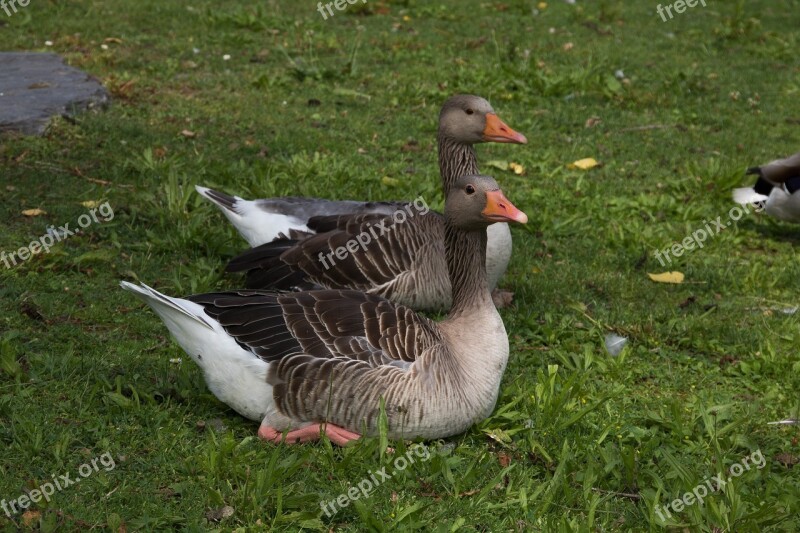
x=579, y=440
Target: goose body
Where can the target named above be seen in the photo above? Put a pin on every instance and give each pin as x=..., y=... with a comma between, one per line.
x=406, y=266
x=299, y=360
x=413, y=270
x=265, y=220
x=777, y=189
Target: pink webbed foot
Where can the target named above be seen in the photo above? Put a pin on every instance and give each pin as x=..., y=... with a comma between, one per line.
x=337, y=435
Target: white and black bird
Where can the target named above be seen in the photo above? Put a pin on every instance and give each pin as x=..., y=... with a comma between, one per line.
x=776, y=190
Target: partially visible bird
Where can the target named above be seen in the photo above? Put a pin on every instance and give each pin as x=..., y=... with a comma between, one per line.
x=776, y=189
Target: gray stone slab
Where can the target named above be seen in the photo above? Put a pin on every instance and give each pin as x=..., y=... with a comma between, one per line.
x=34, y=87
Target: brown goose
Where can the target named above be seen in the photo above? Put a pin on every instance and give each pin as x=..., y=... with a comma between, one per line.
x=406, y=264
x=306, y=362
x=776, y=189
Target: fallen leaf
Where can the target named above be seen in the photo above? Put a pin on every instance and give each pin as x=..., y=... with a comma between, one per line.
x=34, y=212
x=584, y=164
x=500, y=165
x=498, y=435
x=502, y=298
x=504, y=459
x=667, y=277
x=29, y=517
x=389, y=182
x=568, y=46
x=216, y=515
x=518, y=169
x=592, y=122
x=188, y=134
x=90, y=204
x=787, y=459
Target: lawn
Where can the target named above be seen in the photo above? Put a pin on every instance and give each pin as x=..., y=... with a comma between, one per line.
x=267, y=99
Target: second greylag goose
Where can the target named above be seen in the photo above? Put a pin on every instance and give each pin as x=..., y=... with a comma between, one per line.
x=322, y=361
x=405, y=264
x=777, y=189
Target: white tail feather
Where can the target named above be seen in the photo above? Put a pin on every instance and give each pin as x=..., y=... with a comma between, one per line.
x=256, y=223
x=747, y=195
x=235, y=375
x=162, y=304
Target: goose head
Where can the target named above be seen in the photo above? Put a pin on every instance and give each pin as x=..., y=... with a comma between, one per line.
x=469, y=119
x=476, y=202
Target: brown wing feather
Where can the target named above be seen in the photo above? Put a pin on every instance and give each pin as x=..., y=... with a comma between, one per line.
x=388, y=265
x=342, y=324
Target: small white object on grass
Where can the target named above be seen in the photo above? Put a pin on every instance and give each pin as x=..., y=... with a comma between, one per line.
x=786, y=422
x=615, y=344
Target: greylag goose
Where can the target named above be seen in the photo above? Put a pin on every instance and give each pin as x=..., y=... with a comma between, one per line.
x=405, y=264
x=776, y=189
x=463, y=121
x=321, y=361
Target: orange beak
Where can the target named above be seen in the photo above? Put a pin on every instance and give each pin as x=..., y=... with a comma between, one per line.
x=497, y=131
x=499, y=209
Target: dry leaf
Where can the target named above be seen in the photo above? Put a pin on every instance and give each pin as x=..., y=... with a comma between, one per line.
x=592, y=122
x=518, y=169
x=90, y=204
x=189, y=134
x=29, y=517
x=787, y=459
x=34, y=212
x=667, y=277
x=217, y=515
x=500, y=165
x=584, y=164
x=568, y=46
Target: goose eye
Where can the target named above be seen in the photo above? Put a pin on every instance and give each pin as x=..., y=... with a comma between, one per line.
x=470, y=111
x=470, y=189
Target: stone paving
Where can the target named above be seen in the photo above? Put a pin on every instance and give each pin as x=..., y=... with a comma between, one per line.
x=34, y=87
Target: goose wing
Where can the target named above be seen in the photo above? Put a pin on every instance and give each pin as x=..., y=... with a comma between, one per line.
x=371, y=253
x=322, y=325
